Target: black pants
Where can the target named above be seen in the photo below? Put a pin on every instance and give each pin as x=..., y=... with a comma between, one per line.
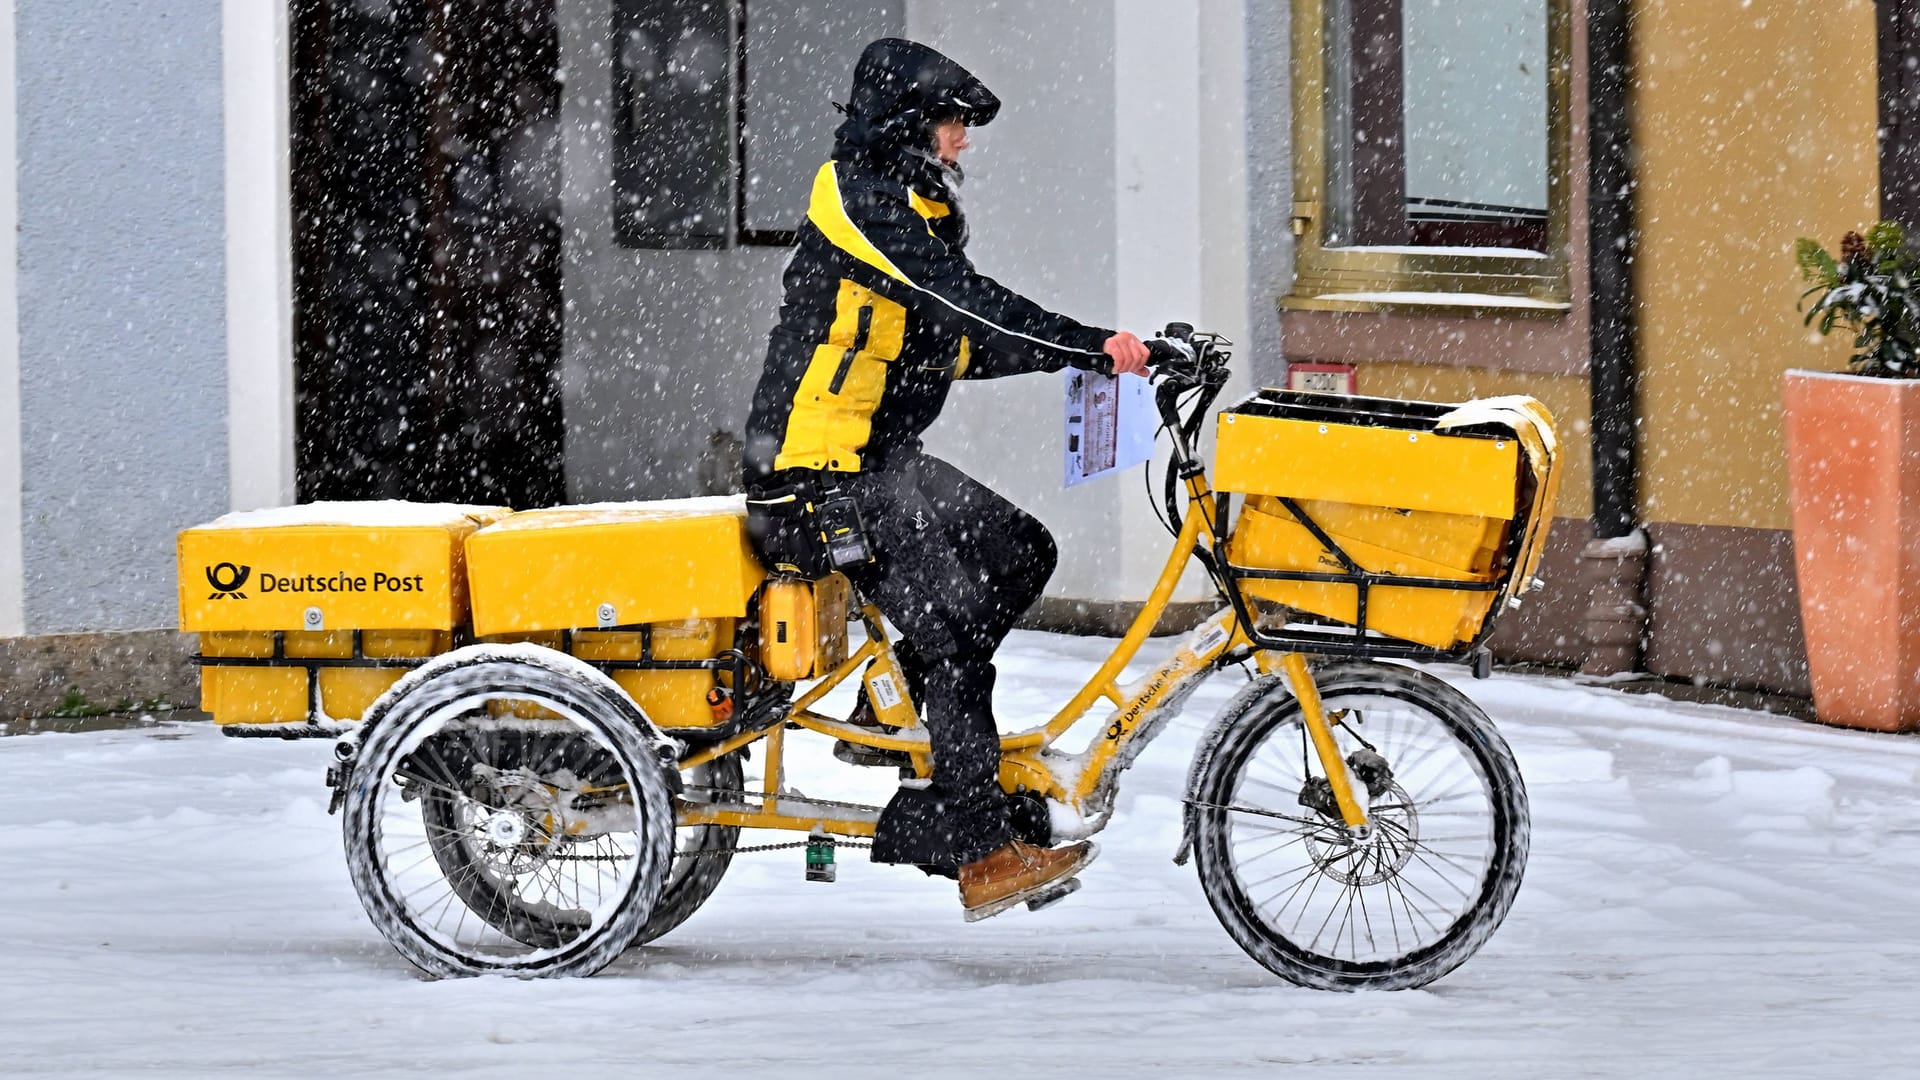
x=955, y=565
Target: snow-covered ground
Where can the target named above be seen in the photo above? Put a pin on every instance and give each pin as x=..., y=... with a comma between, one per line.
x=1711, y=893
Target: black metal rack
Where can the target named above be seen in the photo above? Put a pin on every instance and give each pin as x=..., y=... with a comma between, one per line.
x=1360, y=639
x=1357, y=639
x=745, y=674
x=358, y=658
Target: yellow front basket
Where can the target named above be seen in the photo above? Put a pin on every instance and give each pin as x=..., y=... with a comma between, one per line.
x=1411, y=523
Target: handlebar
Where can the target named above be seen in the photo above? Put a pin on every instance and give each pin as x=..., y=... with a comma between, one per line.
x=1180, y=355
x=1164, y=351
x=1190, y=370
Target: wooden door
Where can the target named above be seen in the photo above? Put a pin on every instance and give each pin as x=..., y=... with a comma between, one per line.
x=426, y=179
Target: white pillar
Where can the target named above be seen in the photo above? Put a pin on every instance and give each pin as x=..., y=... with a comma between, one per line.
x=260, y=427
x=1224, y=180
x=1161, y=176
x=12, y=557
x=1156, y=161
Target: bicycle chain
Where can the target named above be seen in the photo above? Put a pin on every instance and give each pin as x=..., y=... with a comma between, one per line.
x=829, y=842
x=714, y=852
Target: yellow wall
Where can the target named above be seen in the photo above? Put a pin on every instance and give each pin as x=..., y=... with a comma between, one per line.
x=1565, y=397
x=1754, y=124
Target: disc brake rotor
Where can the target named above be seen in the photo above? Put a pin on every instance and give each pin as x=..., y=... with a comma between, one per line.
x=1380, y=853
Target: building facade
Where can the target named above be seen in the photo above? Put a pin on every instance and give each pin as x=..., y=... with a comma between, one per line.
x=527, y=251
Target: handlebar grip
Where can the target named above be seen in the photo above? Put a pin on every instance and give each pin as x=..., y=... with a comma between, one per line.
x=1163, y=351
x=1159, y=351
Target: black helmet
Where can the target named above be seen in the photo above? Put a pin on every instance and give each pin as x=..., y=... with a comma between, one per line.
x=900, y=87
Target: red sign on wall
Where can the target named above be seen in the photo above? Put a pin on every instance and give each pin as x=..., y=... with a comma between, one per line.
x=1321, y=378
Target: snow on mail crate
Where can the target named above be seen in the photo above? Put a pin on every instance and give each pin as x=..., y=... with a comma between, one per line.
x=631, y=584
x=317, y=609
x=1406, y=491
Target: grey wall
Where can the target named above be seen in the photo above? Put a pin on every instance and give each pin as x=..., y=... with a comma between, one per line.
x=123, y=395
x=1040, y=200
x=662, y=348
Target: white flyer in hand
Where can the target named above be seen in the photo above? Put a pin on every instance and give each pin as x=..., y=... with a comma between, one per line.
x=1109, y=423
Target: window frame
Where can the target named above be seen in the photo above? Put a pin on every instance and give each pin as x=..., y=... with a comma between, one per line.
x=1898, y=32
x=626, y=233
x=1401, y=277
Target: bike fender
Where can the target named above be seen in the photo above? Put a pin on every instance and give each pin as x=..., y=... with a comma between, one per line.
x=666, y=751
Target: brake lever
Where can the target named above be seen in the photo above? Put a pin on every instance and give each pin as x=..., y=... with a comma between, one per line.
x=1172, y=359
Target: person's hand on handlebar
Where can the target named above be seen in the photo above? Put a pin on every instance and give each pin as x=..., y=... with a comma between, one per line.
x=1128, y=353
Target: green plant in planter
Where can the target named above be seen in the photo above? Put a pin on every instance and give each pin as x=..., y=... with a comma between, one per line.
x=1868, y=290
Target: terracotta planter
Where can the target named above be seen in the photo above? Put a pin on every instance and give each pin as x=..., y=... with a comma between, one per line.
x=1853, y=462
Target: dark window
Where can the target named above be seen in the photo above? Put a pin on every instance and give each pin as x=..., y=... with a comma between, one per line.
x=1437, y=123
x=722, y=111
x=1900, y=112
x=675, y=104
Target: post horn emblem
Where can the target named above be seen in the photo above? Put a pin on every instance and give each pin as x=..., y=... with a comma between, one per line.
x=226, y=580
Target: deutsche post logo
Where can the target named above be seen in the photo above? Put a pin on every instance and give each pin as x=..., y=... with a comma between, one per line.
x=226, y=580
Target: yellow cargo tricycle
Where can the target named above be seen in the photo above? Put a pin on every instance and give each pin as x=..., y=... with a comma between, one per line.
x=543, y=715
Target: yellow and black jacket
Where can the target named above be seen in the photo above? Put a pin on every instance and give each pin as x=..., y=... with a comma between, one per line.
x=883, y=311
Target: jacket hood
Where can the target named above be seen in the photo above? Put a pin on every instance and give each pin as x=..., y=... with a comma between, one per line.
x=901, y=86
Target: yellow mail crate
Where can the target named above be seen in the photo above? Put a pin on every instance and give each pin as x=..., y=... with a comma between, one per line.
x=612, y=565
x=1266, y=536
x=1405, y=489
x=681, y=569
x=329, y=566
x=316, y=575
x=671, y=698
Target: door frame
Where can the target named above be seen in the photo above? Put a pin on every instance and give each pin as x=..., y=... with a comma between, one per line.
x=259, y=207
x=1898, y=26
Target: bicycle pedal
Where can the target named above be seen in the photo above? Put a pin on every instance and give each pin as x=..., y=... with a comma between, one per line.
x=1054, y=895
x=856, y=754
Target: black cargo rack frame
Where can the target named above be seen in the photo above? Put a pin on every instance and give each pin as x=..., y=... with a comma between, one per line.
x=1355, y=640
x=732, y=661
x=1358, y=639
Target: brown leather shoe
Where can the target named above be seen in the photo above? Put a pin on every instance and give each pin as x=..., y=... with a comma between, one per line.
x=1015, y=873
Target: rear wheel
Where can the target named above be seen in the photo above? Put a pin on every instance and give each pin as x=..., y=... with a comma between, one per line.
x=508, y=813
x=702, y=853
x=1398, y=905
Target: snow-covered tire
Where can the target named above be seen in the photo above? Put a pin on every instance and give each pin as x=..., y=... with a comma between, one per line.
x=702, y=853
x=590, y=775
x=1451, y=768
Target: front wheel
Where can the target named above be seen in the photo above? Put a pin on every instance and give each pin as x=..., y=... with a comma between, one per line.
x=1398, y=906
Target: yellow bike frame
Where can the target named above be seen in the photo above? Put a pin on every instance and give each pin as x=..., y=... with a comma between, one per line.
x=1082, y=783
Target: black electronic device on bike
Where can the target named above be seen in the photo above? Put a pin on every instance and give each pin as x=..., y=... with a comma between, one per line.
x=807, y=529
x=843, y=535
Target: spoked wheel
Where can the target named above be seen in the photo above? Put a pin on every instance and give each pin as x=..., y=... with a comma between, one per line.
x=508, y=813
x=701, y=852
x=1398, y=905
